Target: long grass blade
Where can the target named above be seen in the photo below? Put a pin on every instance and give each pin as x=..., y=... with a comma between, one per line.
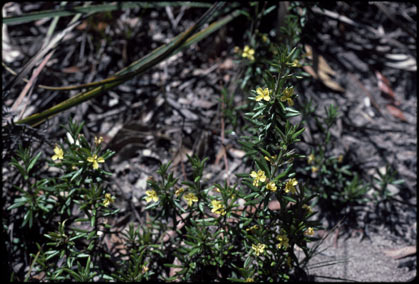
x=144, y=64
x=63, y=12
x=134, y=67
x=45, y=49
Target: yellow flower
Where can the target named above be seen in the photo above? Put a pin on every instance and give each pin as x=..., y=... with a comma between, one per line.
x=95, y=160
x=98, y=140
x=263, y=94
x=217, y=207
x=271, y=186
x=309, y=231
x=108, y=199
x=254, y=227
x=144, y=268
x=248, y=279
x=236, y=49
x=314, y=169
x=259, y=176
x=151, y=196
x=259, y=248
x=308, y=208
x=264, y=38
x=295, y=63
x=288, y=92
x=269, y=160
x=190, y=198
x=290, y=186
x=310, y=158
x=283, y=241
x=179, y=191
x=59, y=153
x=340, y=158
x=248, y=52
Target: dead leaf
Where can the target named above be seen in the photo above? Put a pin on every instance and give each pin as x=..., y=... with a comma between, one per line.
x=82, y=26
x=397, y=113
x=71, y=69
x=329, y=82
x=181, y=155
x=310, y=71
x=220, y=154
x=321, y=70
x=236, y=153
x=174, y=270
x=227, y=64
x=384, y=86
x=401, y=252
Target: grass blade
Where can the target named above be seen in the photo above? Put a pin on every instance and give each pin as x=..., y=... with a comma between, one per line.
x=63, y=12
x=137, y=68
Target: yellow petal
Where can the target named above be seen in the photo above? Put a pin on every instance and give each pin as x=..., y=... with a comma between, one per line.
x=290, y=102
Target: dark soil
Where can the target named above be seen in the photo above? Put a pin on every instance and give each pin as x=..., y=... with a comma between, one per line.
x=174, y=110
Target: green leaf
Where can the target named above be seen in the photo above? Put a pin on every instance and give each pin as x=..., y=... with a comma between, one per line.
x=28, y=218
x=261, y=162
x=290, y=112
x=296, y=134
x=20, y=168
x=172, y=265
x=93, y=218
x=76, y=174
x=290, y=199
x=78, y=236
x=51, y=254
x=284, y=173
x=33, y=161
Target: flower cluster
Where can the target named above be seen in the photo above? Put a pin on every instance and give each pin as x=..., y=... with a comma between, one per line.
x=248, y=53
x=283, y=241
x=108, y=199
x=258, y=249
x=308, y=208
x=95, y=160
x=190, y=198
x=295, y=63
x=309, y=231
x=179, y=191
x=98, y=141
x=253, y=228
x=310, y=159
x=272, y=161
x=290, y=186
x=151, y=196
x=271, y=186
x=263, y=94
x=259, y=176
x=218, y=207
x=59, y=153
x=286, y=96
